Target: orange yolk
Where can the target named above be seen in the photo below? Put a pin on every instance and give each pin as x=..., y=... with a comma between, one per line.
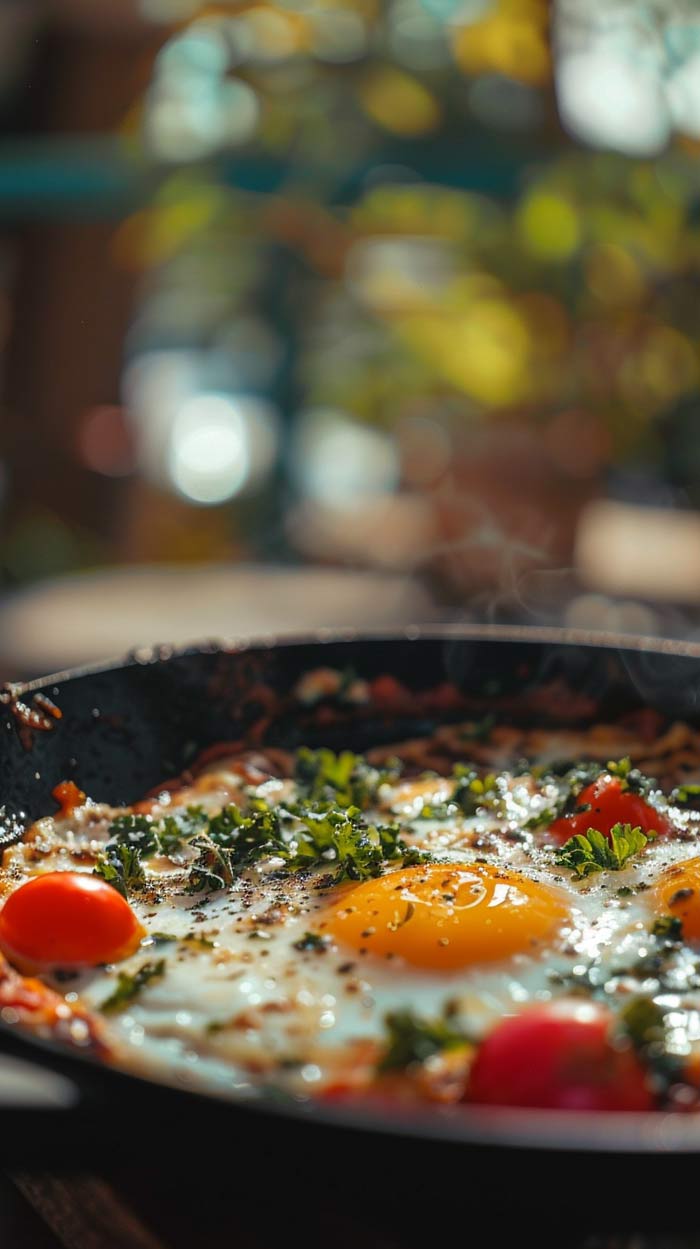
x=445, y=916
x=677, y=892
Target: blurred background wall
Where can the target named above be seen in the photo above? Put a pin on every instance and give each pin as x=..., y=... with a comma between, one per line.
x=337, y=311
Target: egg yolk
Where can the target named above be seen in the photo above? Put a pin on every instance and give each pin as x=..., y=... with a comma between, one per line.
x=677, y=892
x=444, y=916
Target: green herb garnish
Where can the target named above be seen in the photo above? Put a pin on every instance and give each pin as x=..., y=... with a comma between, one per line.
x=643, y=1022
x=631, y=779
x=325, y=829
x=128, y=987
x=413, y=1040
x=162, y=836
x=176, y=830
x=685, y=795
x=312, y=941
x=121, y=867
x=344, y=779
x=136, y=831
x=138, y=837
x=248, y=838
x=470, y=793
x=542, y=819
x=303, y=836
x=596, y=853
x=668, y=927
x=346, y=844
x=212, y=869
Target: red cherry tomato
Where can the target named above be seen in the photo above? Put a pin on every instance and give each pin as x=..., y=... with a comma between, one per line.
x=68, y=919
x=386, y=691
x=610, y=804
x=559, y=1057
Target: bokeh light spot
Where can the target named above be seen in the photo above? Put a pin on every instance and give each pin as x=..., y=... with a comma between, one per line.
x=612, y=275
x=271, y=34
x=549, y=225
x=484, y=351
x=609, y=100
x=399, y=103
x=209, y=459
x=200, y=50
x=337, y=461
x=510, y=39
x=105, y=443
x=339, y=35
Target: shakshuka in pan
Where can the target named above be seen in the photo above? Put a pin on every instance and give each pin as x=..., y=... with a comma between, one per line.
x=486, y=915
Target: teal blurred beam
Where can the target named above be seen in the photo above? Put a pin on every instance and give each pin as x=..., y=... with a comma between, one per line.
x=100, y=177
x=469, y=160
x=72, y=177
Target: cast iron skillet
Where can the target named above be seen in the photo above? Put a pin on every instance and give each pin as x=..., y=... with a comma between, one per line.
x=125, y=728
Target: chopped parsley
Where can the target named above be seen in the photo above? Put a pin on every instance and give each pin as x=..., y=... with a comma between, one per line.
x=631, y=779
x=247, y=838
x=685, y=795
x=412, y=1039
x=312, y=941
x=193, y=938
x=668, y=927
x=212, y=869
x=138, y=837
x=304, y=836
x=121, y=867
x=596, y=853
x=345, y=843
x=138, y=832
x=128, y=987
x=344, y=779
x=166, y=835
x=470, y=793
x=176, y=830
x=643, y=1022
x=315, y=836
x=542, y=819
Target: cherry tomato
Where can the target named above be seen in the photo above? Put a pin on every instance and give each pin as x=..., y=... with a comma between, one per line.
x=610, y=804
x=386, y=691
x=559, y=1056
x=67, y=919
